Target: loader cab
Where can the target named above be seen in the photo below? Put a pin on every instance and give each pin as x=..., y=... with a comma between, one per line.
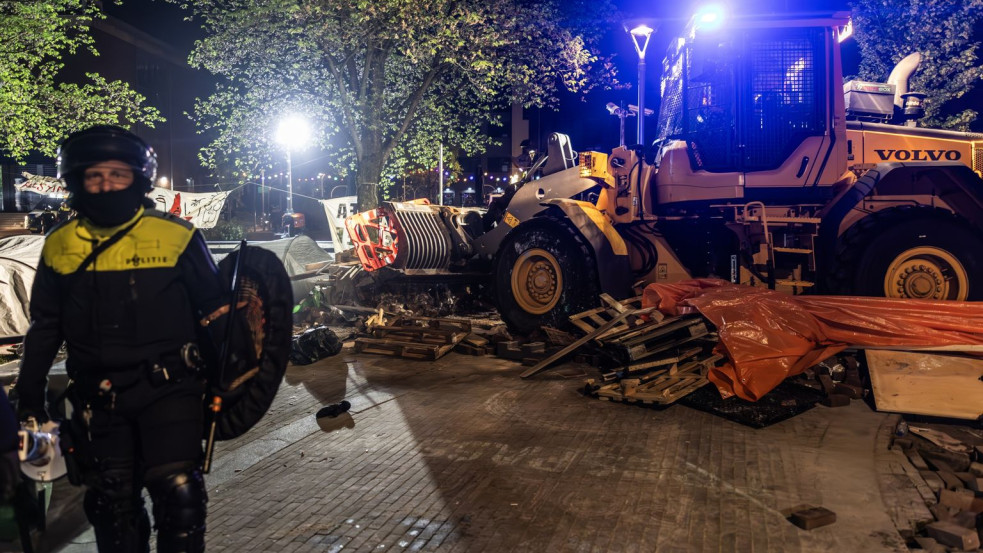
x=748, y=109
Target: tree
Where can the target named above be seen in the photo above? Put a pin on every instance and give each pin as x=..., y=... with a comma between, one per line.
x=36, y=110
x=384, y=81
x=942, y=31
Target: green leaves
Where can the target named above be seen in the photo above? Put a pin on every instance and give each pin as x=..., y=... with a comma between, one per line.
x=384, y=81
x=941, y=30
x=36, y=110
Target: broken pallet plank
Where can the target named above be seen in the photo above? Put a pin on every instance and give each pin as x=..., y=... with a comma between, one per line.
x=681, y=355
x=663, y=387
x=418, y=333
x=667, y=327
x=545, y=363
x=659, y=338
x=407, y=350
x=592, y=319
x=675, y=385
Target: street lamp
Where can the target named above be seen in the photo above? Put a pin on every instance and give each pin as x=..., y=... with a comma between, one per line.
x=640, y=36
x=293, y=133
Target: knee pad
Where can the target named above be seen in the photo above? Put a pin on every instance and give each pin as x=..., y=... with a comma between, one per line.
x=112, y=495
x=179, y=496
x=120, y=522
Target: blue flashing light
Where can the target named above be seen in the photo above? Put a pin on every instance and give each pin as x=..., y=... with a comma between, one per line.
x=709, y=17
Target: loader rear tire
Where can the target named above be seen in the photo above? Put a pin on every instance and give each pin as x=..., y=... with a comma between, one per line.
x=545, y=273
x=910, y=253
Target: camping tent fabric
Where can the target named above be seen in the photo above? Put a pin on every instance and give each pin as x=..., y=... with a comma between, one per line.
x=19, y=257
x=768, y=336
x=296, y=254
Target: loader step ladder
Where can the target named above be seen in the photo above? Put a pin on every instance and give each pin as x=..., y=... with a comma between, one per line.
x=798, y=241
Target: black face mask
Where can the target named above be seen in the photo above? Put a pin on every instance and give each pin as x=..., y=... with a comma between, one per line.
x=108, y=209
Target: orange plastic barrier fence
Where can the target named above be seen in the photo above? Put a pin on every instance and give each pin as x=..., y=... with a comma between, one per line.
x=374, y=238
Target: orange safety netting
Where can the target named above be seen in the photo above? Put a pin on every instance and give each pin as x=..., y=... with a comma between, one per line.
x=768, y=336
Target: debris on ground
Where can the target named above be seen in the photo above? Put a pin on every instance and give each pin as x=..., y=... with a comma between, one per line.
x=788, y=399
x=414, y=337
x=333, y=410
x=948, y=461
x=808, y=517
x=767, y=336
x=314, y=344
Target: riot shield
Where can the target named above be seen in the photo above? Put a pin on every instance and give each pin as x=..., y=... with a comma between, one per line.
x=264, y=324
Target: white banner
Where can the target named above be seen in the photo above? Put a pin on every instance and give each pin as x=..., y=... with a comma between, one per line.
x=201, y=208
x=337, y=210
x=41, y=185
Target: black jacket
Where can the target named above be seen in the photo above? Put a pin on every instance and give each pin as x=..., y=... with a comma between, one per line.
x=139, y=300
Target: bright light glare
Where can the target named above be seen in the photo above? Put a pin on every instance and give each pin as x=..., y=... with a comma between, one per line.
x=709, y=17
x=642, y=30
x=294, y=133
x=845, y=32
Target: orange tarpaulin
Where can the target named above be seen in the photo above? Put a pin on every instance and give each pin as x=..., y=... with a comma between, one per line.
x=768, y=336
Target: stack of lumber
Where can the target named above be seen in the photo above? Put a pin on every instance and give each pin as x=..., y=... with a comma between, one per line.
x=414, y=337
x=658, y=359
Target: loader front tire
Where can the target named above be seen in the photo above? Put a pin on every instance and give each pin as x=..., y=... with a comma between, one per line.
x=545, y=273
x=910, y=253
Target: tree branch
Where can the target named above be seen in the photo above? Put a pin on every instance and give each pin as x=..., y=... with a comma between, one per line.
x=412, y=103
x=348, y=115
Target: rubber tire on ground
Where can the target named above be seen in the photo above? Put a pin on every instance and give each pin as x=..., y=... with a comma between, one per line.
x=578, y=272
x=867, y=249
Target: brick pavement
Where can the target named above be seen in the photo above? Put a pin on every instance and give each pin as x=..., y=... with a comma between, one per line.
x=462, y=455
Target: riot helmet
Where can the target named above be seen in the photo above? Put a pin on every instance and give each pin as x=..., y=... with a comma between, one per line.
x=103, y=143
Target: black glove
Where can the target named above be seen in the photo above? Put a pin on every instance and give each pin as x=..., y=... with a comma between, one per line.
x=26, y=413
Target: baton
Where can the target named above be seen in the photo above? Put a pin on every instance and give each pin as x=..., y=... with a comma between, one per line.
x=216, y=405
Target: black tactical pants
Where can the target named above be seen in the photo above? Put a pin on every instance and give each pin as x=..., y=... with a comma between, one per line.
x=143, y=434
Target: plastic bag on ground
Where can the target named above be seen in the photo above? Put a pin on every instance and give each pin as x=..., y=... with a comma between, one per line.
x=314, y=344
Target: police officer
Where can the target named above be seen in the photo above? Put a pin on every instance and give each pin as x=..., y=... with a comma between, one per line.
x=124, y=286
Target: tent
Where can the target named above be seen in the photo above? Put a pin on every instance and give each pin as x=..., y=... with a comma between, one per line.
x=300, y=255
x=19, y=257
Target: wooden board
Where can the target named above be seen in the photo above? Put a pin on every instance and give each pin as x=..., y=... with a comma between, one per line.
x=661, y=387
x=592, y=319
x=655, y=338
x=417, y=334
x=926, y=383
x=620, y=317
x=645, y=366
x=408, y=350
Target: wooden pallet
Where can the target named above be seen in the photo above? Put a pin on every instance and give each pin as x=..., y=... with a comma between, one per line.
x=432, y=331
x=618, y=319
x=592, y=319
x=408, y=350
x=414, y=337
x=652, y=339
x=662, y=387
x=681, y=356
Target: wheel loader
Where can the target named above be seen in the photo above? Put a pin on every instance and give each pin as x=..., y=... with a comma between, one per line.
x=767, y=170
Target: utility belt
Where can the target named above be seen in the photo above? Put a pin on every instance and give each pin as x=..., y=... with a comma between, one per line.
x=99, y=388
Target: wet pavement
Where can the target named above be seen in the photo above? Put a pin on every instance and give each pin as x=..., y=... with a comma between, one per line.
x=463, y=455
